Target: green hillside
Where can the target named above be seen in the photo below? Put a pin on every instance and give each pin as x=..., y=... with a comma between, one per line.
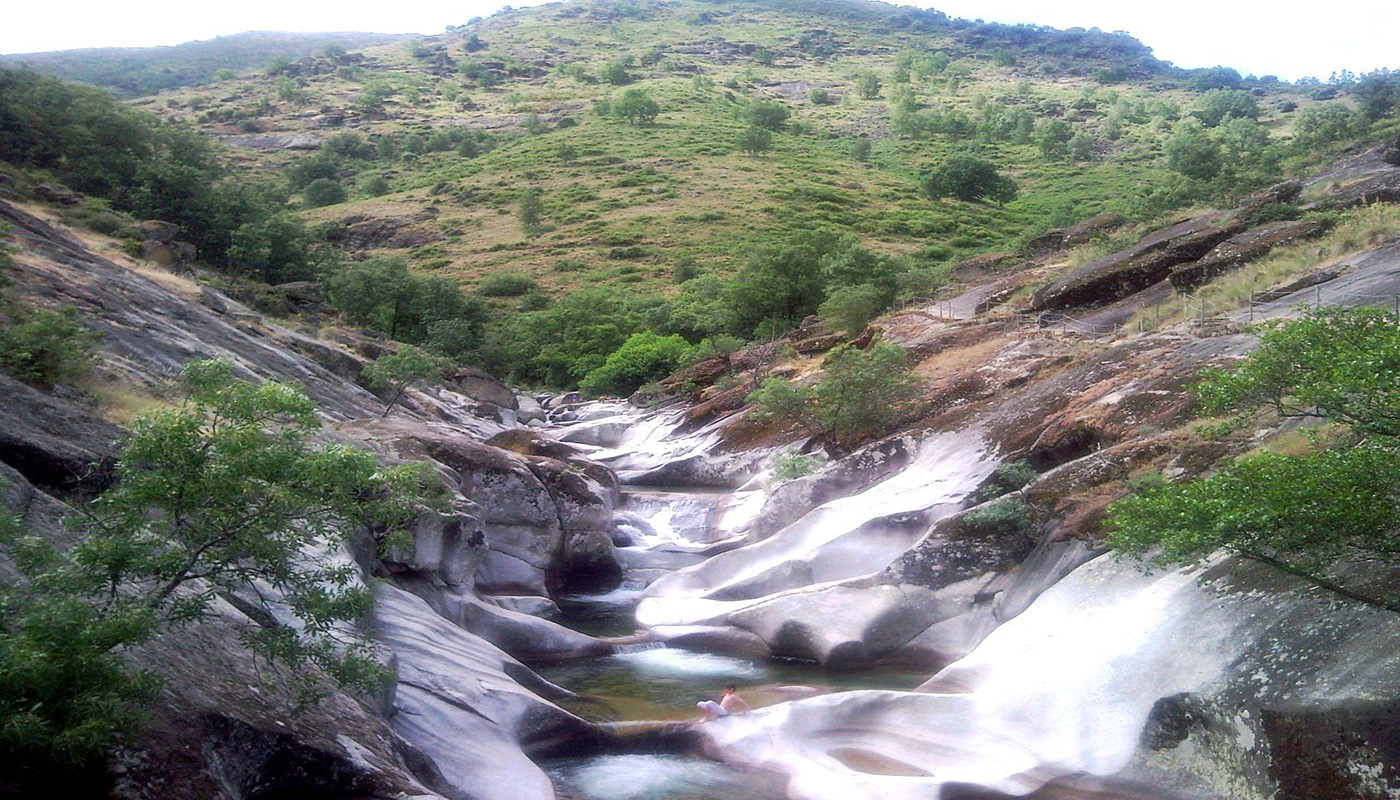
x=135, y=71
x=589, y=170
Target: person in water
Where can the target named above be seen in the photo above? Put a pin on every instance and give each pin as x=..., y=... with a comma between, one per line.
x=731, y=703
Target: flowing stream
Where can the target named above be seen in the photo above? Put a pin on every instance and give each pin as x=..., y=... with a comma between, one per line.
x=664, y=529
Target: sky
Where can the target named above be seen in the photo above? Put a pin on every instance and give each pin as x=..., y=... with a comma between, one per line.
x=1286, y=39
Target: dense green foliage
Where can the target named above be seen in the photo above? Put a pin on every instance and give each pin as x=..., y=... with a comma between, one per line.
x=384, y=295
x=792, y=465
x=47, y=348
x=224, y=490
x=402, y=368
x=862, y=394
x=969, y=179
x=1311, y=516
x=146, y=70
x=644, y=357
x=150, y=169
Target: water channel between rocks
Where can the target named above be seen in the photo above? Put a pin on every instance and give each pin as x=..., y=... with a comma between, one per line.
x=664, y=683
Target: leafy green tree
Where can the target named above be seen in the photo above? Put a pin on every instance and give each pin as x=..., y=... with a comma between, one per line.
x=782, y=282
x=637, y=107
x=868, y=86
x=768, y=114
x=618, y=71
x=402, y=368
x=755, y=140
x=819, y=97
x=323, y=192
x=1081, y=146
x=1219, y=105
x=792, y=465
x=1052, y=137
x=644, y=357
x=863, y=394
x=530, y=211
x=700, y=310
x=1378, y=94
x=1322, y=124
x=860, y=148
x=47, y=348
x=1191, y=152
x=561, y=344
x=220, y=492
x=850, y=308
x=1305, y=515
x=969, y=179
x=381, y=293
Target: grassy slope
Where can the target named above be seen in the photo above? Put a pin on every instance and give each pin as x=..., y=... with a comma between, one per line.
x=680, y=188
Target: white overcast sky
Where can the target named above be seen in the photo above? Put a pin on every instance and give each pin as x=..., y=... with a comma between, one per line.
x=1288, y=39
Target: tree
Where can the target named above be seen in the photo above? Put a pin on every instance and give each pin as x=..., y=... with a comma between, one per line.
x=47, y=348
x=1306, y=515
x=781, y=282
x=860, y=148
x=618, y=71
x=755, y=140
x=637, y=107
x=323, y=192
x=768, y=114
x=222, y=493
x=850, y=308
x=1191, y=152
x=1219, y=105
x=402, y=368
x=644, y=357
x=530, y=211
x=868, y=86
x=1052, y=137
x=1081, y=146
x=819, y=97
x=1378, y=94
x=381, y=293
x=863, y=394
x=1322, y=124
x=969, y=179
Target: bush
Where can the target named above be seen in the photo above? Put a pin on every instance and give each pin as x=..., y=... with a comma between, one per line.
x=768, y=114
x=617, y=72
x=376, y=186
x=402, y=368
x=1009, y=476
x=849, y=309
x=1275, y=212
x=644, y=357
x=50, y=347
x=969, y=179
x=860, y=149
x=506, y=285
x=323, y=192
x=382, y=294
x=1010, y=515
x=530, y=211
x=755, y=140
x=637, y=107
x=819, y=97
x=863, y=394
x=1219, y=105
x=792, y=465
x=868, y=86
x=1191, y=152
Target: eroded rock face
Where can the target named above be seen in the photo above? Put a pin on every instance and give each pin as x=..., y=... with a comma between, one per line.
x=55, y=444
x=1138, y=267
x=1240, y=249
x=1075, y=235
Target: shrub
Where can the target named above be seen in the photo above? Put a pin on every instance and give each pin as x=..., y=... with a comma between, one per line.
x=1275, y=212
x=850, y=308
x=868, y=86
x=863, y=394
x=402, y=368
x=755, y=140
x=644, y=357
x=617, y=72
x=376, y=186
x=323, y=192
x=1009, y=515
x=860, y=148
x=768, y=114
x=381, y=293
x=792, y=465
x=637, y=107
x=819, y=97
x=1009, y=476
x=50, y=347
x=1218, y=105
x=969, y=179
x=530, y=211
x=506, y=284
x=1191, y=152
